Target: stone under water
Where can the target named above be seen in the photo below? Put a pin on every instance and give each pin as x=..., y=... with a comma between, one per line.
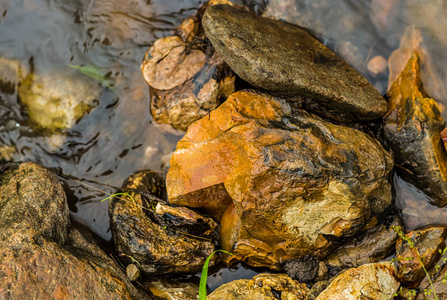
x=286, y=60
x=289, y=183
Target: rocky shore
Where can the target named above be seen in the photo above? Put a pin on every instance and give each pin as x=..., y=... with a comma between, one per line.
x=293, y=172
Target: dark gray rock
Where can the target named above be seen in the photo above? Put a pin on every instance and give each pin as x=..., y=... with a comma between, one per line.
x=288, y=61
x=303, y=270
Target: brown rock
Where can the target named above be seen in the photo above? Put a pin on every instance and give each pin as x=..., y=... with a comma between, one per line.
x=169, y=290
x=40, y=256
x=375, y=245
x=425, y=244
x=412, y=129
x=161, y=238
x=371, y=281
x=411, y=42
x=187, y=77
x=262, y=287
x=286, y=201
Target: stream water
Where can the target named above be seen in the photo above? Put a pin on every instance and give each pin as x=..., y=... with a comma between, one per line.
x=118, y=137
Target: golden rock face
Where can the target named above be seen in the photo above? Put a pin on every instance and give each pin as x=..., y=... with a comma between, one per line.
x=413, y=128
x=285, y=180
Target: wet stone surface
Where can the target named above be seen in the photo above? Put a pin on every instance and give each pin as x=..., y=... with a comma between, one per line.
x=262, y=287
x=370, y=281
x=375, y=245
x=427, y=244
x=413, y=128
x=40, y=255
x=161, y=238
x=286, y=202
x=187, y=77
x=288, y=61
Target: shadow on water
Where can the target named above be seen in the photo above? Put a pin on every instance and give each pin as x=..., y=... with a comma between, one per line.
x=118, y=136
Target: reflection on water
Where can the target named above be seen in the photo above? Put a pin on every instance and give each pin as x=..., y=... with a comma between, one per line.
x=118, y=137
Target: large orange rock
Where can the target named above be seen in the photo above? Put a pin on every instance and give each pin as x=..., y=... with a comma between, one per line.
x=284, y=183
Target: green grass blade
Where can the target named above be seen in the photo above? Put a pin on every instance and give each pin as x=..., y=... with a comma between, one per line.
x=204, y=276
x=118, y=194
x=93, y=72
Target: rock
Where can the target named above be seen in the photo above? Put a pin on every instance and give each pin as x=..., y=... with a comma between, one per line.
x=411, y=42
x=258, y=162
x=426, y=244
x=150, y=181
x=187, y=77
x=262, y=287
x=412, y=129
x=377, y=65
x=286, y=60
x=303, y=270
x=371, y=281
x=161, y=238
x=375, y=245
x=40, y=255
x=132, y=272
x=439, y=277
x=317, y=288
x=169, y=290
x=348, y=30
x=59, y=100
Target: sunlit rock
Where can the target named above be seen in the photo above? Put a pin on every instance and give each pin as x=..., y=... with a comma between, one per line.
x=172, y=290
x=412, y=41
x=262, y=287
x=371, y=281
x=40, y=256
x=288, y=61
x=58, y=100
x=290, y=183
x=161, y=238
x=187, y=77
x=412, y=129
x=426, y=244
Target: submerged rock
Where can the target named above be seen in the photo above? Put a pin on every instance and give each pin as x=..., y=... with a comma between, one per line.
x=290, y=183
x=262, y=287
x=287, y=60
x=11, y=72
x=371, y=281
x=412, y=129
x=426, y=245
x=187, y=77
x=161, y=238
x=40, y=256
x=58, y=101
x=375, y=245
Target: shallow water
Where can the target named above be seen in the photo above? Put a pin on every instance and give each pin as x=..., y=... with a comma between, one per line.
x=118, y=137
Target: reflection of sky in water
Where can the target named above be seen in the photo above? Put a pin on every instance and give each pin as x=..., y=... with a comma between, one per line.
x=118, y=137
